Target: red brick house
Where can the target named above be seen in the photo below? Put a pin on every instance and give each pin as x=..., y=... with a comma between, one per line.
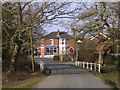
x=56, y=43
x=101, y=40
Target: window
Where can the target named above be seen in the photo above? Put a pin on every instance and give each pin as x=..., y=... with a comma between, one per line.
x=51, y=51
x=47, y=51
x=66, y=41
x=51, y=41
x=62, y=41
x=55, y=50
x=42, y=42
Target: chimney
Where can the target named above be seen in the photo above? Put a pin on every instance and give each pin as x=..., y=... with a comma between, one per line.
x=58, y=33
x=100, y=30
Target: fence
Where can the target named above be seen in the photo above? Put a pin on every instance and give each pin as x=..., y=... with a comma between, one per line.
x=41, y=65
x=91, y=66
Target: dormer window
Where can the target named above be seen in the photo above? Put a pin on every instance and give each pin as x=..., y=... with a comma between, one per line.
x=58, y=34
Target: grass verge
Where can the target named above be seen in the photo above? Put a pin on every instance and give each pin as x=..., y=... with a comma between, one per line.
x=27, y=84
x=110, y=79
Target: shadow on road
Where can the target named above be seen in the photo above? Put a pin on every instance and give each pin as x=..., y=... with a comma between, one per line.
x=60, y=69
x=65, y=75
x=64, y=69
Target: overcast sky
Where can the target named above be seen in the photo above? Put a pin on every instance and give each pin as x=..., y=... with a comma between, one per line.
x=63, y=24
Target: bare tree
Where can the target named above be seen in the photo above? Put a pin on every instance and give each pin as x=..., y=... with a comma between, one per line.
x=99, y=16
x=25, y=17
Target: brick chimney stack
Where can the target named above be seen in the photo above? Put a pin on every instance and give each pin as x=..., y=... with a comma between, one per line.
x=58, y=33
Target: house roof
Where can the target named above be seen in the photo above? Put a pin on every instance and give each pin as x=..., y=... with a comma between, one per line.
x=53, y=35
x=100, y=34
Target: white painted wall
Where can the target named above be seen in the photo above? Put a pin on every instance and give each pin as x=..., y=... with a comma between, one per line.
x=62, y=46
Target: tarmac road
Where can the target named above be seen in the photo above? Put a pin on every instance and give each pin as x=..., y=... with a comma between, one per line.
x=67, y=76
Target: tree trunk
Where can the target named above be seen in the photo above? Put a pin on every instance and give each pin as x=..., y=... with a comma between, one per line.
x=100, y=58
x=61, y=58
x=76, y=54
x=75, y=46
x=13, y=59
x=32, y=54
x=105, y=53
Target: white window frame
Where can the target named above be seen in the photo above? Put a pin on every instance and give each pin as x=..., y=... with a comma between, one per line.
x=63, y=41
x=42, y=42
x=51, y=42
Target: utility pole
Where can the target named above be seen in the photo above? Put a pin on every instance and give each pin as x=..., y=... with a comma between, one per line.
x=100, y=57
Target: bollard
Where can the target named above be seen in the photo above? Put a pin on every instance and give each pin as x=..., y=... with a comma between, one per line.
x=95, y=66
x=87, y=65
x=83, y=64
x=91, y=66
x=41, y=66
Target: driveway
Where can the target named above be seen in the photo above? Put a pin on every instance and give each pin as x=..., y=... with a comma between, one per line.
x=67, y=76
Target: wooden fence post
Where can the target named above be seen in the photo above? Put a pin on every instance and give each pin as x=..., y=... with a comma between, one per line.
x=83, y=64
x=75, y=63
x=99, y=68
x=87, y=65
x=95, y=66
x=78, y=63
x=91, y=66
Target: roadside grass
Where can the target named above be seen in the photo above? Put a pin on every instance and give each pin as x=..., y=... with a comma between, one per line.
x=27, y=84
x=110, y=79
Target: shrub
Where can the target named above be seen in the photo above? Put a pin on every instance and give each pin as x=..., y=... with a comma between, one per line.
x=46, y=71
x=5, y=65
x=6, y=55
x=57, y=57
x=108, y=69
x=66, y=58
x=25, y=64
x=86, y=51
x=109, y=60
x=118, y=65
x=88, y=58
x=16, y=76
